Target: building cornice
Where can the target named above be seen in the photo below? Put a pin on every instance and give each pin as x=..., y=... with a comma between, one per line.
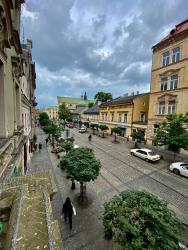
x=167, y=92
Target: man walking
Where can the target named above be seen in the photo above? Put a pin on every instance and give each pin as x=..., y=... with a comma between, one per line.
x=67, y=210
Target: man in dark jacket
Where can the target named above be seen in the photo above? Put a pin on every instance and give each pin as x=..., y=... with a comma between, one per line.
x=67, y=210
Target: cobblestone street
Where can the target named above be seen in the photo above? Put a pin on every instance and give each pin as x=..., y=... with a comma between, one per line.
x=120, y=171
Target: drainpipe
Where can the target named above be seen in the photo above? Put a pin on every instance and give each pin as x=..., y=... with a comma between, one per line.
x=132, y=117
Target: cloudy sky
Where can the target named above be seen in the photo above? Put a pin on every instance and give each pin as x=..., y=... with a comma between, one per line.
x=96, y=45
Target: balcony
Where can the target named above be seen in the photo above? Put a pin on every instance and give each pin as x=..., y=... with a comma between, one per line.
x=141, y=122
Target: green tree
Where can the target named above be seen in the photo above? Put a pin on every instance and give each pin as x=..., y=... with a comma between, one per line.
x=53, y=129
x=86, y=124
x=103, y=97
x=138, y=135
x=64, y=112
x=94, y=127
x=90, y=105
x=116, y=131
x=82, y=166
x=43, y=118
x=67, y=146
x=139, y=220
x=103, y=128
x=173, y=133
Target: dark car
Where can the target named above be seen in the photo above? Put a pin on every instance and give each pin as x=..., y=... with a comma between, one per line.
x=71, y=125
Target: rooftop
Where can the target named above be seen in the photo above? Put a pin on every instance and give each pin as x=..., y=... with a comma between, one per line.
x=179, y=28
x=78, y=111
x=93, y=110
x=71, y=100
x=122, y=100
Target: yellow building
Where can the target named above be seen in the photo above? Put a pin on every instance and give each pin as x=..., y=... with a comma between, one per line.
x=129, y=113
x=169, y=77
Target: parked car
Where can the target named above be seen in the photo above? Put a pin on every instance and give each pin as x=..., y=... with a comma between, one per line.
x=179, y=168
x=71, y=125
x=82, y=130
x=146, y=154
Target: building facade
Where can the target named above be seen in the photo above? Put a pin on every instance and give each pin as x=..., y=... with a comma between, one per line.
x=129, y=113
x=91, y=114
x=52, y=112
x=13, y=97
x=73, y=103
x=169, y=77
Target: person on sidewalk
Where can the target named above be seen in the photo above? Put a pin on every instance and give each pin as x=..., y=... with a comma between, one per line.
x=46, y=141
x=40, y=146
x=67, y=210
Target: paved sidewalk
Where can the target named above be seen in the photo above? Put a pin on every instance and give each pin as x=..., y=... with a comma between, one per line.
x=87, y=232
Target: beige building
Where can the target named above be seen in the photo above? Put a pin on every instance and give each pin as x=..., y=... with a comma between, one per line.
x=52, y=112
x=169, y=77
x=91, y=114
x=14, y=99
x=129, y=113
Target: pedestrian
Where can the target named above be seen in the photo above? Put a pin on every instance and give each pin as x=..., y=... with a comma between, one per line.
x=46, y=141
x=67, y=210
x=90, y=137
x=40, y=146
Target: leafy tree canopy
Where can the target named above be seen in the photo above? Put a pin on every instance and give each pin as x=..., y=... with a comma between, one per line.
x=173, y=133
x=63, y=112
x=103, y=97
x=81, y=165
x=103, y=127
x=43, y=118
x=116, y=131
x=90, y=105
x=52, y=128
x=94, y=125
x=139, y=220
x=67, y=146
x=139, y=135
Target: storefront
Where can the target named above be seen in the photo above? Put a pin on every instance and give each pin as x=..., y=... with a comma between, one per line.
x=123, y=129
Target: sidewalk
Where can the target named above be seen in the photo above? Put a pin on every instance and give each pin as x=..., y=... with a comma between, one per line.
x=87, y=232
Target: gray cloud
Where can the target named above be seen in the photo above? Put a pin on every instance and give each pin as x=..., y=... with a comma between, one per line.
x=96, y=45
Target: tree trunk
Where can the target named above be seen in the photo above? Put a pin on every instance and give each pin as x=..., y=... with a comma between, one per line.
x=115, y=138
x=103, y=134
x=82, y=191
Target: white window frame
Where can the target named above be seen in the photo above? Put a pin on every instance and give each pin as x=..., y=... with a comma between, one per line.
x=161, y=108
x=112, y=116
x=165, y=58
x=144, y=115
x=174, y=82
x=175, y=55
x=171, y=107
x=164, y=83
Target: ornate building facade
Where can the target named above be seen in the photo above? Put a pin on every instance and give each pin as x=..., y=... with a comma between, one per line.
x=169, y=77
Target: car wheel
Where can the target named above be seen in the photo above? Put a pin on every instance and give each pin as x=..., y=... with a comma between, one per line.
x=147, y=159
x=176, y=171
x=132, y=153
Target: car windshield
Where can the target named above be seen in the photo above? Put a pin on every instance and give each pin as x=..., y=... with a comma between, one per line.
x=151, y=153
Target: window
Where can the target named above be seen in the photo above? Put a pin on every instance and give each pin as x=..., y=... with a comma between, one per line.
x=166, y=58
x=119, y=118
x=175, y=55
x=112, y=117
x=171, y=107
x=164, y=83
x=174, y=82
x=102, y=116
x=156, y=126
x=125, y=117
x=143, y=117
x=161, y=108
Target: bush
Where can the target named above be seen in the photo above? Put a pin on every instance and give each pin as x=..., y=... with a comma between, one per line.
x=139, y=220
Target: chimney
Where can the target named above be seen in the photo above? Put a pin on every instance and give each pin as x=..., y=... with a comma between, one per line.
x=132, y=93
x=126, y=94
x=137, y=92
x=82, y=97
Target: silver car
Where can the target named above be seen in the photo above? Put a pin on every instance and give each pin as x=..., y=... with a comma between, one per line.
x=179, y=168
x=146, y=154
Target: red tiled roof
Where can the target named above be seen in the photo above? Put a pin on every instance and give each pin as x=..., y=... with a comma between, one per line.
x=178, y=29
